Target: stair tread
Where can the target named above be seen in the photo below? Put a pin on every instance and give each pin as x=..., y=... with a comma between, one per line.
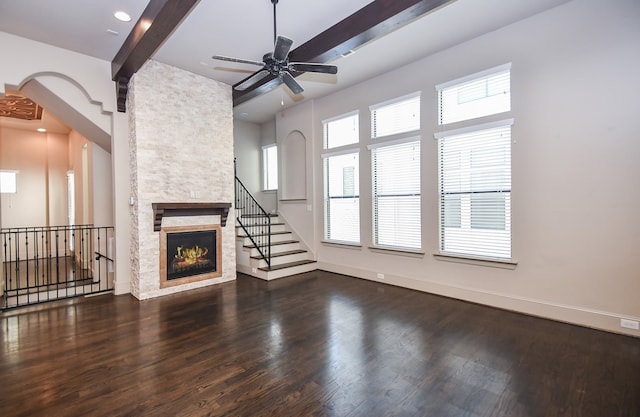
x=288, y=265
x=258, y=225
x=284, y=242
x=284, y=232
x=285, y=253
x=258, y=215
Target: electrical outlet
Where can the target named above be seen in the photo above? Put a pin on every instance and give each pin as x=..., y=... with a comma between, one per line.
x=254, y=270
x=630, y=324
x=380, y=276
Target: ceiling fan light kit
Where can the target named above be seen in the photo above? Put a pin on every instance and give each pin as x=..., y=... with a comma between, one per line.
x=277, y=64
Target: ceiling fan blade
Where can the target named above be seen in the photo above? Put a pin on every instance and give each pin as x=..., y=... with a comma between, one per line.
x=311, y=67
x=281, y=48
x=291, y=82
x=241, y=61
x=252, y=80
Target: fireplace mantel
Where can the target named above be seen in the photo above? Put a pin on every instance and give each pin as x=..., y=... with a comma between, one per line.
x=161, y=210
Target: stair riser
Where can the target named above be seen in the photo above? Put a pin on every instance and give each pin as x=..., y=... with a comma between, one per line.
x=256, y=229
x=258, y=220
x=279, y=260
x=274, y=238
x=277, y=248
x=289, y=271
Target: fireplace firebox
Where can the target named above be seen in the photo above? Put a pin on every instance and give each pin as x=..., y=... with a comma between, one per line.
x=189, y=254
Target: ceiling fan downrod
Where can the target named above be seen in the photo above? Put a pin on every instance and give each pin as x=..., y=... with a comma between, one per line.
x=275, y=32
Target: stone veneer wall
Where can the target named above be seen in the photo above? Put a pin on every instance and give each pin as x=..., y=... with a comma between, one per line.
x=181, y=143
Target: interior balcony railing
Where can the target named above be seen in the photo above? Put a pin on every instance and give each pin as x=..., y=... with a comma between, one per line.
x=41, y=264
x=254, y=221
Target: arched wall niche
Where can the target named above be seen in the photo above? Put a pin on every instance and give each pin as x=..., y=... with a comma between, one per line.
x=293, y=157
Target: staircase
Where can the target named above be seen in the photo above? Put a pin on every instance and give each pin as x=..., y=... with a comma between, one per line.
x=288, y=256
x=266, y=247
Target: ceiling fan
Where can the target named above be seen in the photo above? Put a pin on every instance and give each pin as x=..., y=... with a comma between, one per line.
x=277, y=63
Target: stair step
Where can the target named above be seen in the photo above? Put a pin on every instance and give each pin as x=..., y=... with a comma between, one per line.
x=285, y=253
x=258, y=215
x=289, y=265
x=284, y=242
x=257, y=225
x=283, y=232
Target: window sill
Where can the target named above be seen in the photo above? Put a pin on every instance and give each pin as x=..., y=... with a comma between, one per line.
x=345, y=245
x=397, y=251
x=470, y=260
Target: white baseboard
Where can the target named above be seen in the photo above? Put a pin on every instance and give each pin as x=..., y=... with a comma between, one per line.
x=596, y=319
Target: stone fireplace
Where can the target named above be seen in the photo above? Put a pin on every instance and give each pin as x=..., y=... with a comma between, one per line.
x=181, y=144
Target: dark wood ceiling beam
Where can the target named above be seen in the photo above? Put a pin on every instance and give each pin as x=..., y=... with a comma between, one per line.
x=376, y=19
x=158, y=20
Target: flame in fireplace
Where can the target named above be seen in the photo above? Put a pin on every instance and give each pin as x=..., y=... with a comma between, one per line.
x=190, y=255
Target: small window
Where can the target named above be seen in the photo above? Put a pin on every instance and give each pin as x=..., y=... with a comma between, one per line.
x=341, y=131
x=400, y=115
x=481, y=94
x=270, y=167
x=8, y=182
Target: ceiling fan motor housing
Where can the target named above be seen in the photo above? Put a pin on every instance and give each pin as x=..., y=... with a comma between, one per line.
x=273, y=65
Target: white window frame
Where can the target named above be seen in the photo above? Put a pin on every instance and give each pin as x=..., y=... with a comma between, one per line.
x=356, y=136
x=461, y=238
x=341, y=227
x=390, y=105
x=396, y=233
x=405, y=232
x=8, y=181
x=485, y=104
x=268, y=182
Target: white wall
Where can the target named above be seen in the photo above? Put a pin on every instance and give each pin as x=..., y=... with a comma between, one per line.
x=576, y=234
x=248, y=155
x=42, y=162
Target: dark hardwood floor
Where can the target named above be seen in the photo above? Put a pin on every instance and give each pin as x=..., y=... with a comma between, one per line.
x=317, y=344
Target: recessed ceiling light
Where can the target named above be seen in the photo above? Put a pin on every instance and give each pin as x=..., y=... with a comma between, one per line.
x=41, y=129
x=122, y=16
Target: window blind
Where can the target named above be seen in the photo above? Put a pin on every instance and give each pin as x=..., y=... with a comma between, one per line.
x=475, y=192
x=397, y=116
x=475, y=96
x=396, y=195
x=341, y=131
x=341, y=198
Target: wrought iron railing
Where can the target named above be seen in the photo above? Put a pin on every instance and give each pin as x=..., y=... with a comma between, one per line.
x=254, y=220
x=41, y=264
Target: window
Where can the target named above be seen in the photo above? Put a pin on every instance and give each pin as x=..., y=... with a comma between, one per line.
x=270, y=167
x=8, y=182
x=481, y=94
x=395, y=172
x=474, y=175
x=475, y=190
x=342, y=199
x=342, y=180
x=398, y=116
x=396, y=194
x=341, y=131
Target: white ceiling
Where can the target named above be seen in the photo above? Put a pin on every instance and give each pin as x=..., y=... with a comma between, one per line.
x=244, y=29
